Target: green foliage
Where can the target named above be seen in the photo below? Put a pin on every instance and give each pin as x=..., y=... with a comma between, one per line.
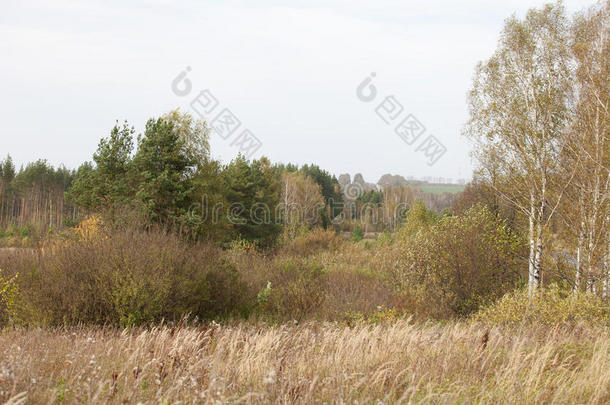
x=370, y=197
x=164, y=173
x=549, y=306
x=7, y=171
x=8, y=299
x=107, y=186
x=418, y=218
x=167, y=174
x=263, y=296
x=455, y=265
x=252, y=194
x=203, y=221
x=357, y=234
x=329, y=185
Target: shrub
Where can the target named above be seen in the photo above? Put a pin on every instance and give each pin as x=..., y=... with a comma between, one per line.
x=455, y=265
x=549, y=306
x=8, y=300
x=314, y=241
x=357, y=234
x=295, y=290
x=130, y=278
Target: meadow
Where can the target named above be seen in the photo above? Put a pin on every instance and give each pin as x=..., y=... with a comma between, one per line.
x=313, y=362
x=442, y=188
x=146, y=317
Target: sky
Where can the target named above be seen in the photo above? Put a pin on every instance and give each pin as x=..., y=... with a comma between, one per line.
x=288, y=71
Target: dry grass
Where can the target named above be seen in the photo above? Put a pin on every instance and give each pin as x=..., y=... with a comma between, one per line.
x=309, y=363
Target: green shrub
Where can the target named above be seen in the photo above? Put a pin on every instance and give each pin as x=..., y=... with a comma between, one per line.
x=8, y=299
x=454, y=265
x=357, y=234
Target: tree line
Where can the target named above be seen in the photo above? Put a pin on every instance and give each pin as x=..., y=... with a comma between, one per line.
x=34, y=194
x=166, y=178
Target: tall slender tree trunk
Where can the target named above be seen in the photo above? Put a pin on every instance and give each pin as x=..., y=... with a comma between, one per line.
x=581, y=237
x=606, y=285
x=2, y=192
x=538, y=258
x=578, y=263
x=533, y=243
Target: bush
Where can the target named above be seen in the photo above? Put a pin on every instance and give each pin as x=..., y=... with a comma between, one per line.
x=8, y=300
x=295, y=289
x=357, y=234
x=549, y=306
x=453, y=266
x=314, y=241
x=130, y=278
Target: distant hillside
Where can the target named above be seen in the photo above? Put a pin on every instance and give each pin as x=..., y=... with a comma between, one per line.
x=396, y=180
x=389, y=180
x=441, y=188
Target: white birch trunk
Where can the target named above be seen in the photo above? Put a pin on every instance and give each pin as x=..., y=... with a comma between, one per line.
x=578, y=264
x=532, y=243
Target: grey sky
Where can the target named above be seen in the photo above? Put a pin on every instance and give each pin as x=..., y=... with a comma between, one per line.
x=288, y=69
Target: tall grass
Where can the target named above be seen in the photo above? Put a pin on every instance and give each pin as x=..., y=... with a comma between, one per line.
x=308, y=363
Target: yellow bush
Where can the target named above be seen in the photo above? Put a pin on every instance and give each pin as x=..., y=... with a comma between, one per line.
x=548, y=306
x=90, y=228
x=8, y=299
x=313, y=242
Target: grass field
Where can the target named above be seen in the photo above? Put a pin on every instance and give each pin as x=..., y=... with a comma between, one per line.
x=442, y=188
x=315, y=362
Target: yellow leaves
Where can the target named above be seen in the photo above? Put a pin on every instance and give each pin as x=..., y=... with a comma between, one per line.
x=548, y=306
x=8, y=299
x=90, y=228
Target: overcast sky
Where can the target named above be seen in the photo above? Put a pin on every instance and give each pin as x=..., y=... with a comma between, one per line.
x=288, y=70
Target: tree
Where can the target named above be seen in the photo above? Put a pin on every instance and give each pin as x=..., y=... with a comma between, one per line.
x=329, y=187
x=479, y=192
x=588, y=148
x=163, y=171
x=396, y=202
x=252, y=195
x=7, y=175
x=204, y=219
x=302, y=202
x=518, y=118
x=108, y=186
x=194, y=133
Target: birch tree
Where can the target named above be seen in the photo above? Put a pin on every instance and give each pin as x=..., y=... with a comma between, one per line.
x=302, y=201
x=588, y=147
x=518, y=117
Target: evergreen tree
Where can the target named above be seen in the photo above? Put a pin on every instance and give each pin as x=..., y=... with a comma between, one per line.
x=7, y=174
x=330, y=188
x=108, y=186
x=252, y=195
x=164, y=173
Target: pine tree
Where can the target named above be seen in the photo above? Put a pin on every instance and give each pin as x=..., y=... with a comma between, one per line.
x=164, y=174
x=252, y=194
